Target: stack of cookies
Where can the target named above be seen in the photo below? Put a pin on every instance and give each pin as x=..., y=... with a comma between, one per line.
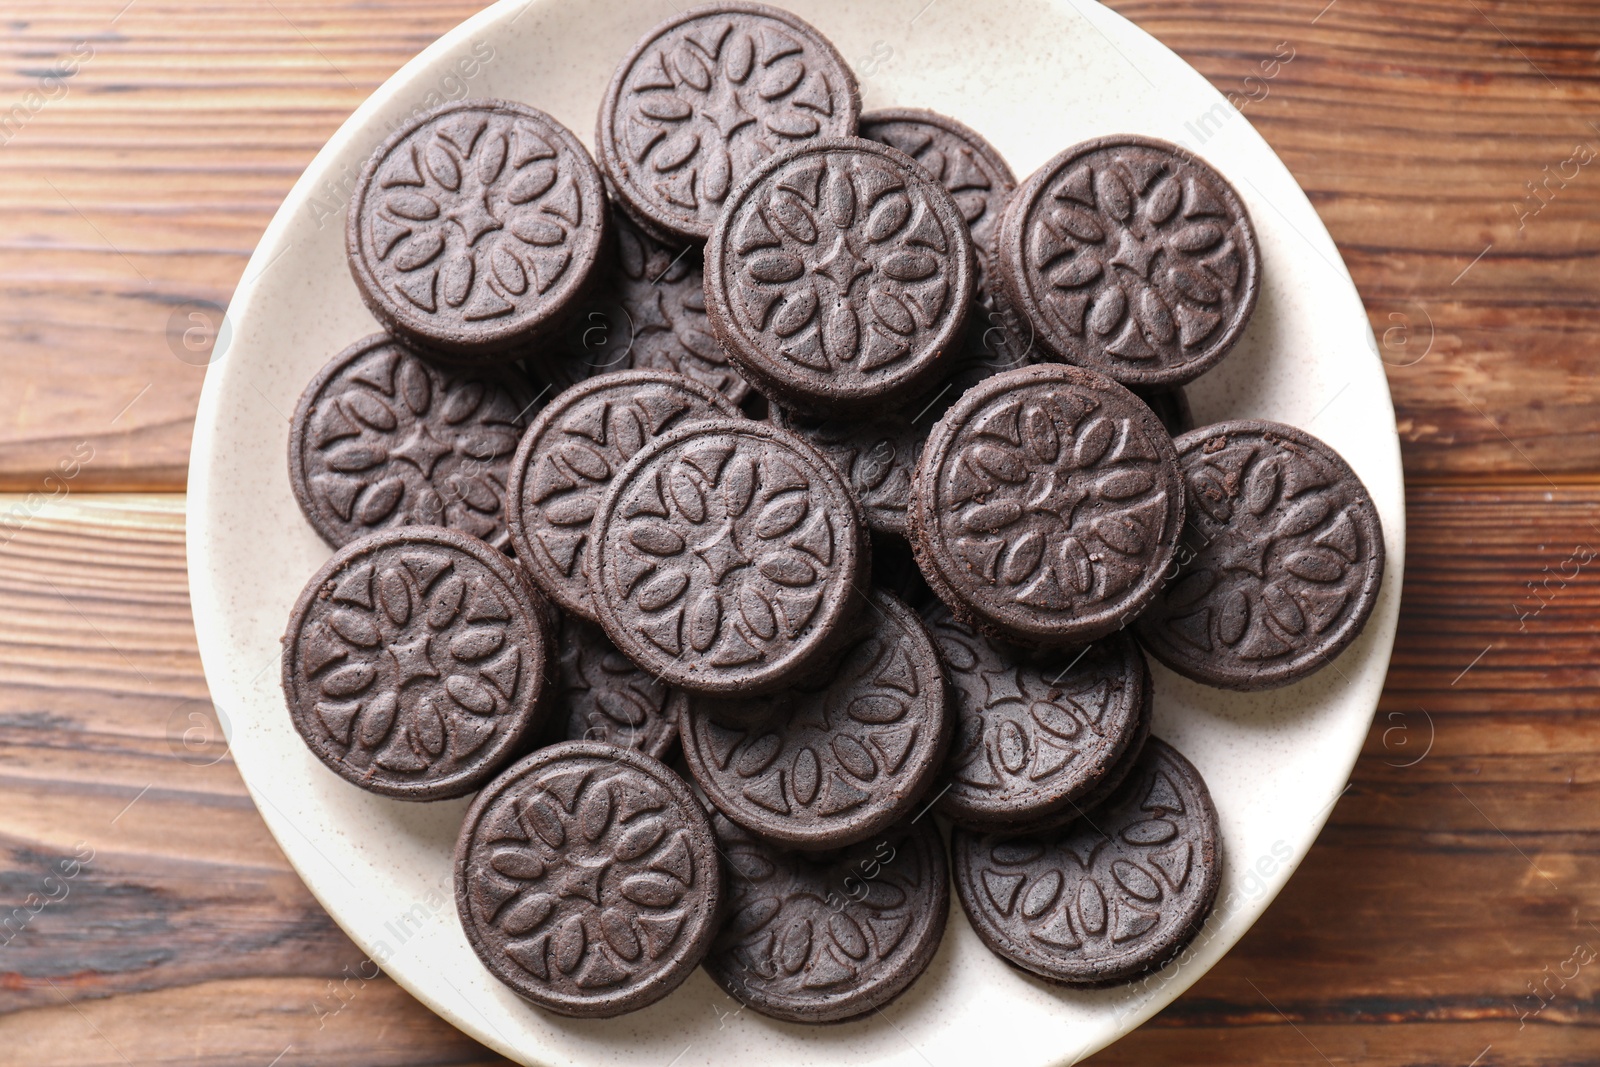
x=736, y=513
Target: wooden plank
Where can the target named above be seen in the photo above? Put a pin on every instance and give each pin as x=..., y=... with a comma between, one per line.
x=136, y=193
x=1442, y=887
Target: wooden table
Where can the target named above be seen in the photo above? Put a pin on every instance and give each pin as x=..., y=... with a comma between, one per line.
x=1450, y=913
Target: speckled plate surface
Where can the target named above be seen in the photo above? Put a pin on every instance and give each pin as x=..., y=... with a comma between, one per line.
x=1032, y=76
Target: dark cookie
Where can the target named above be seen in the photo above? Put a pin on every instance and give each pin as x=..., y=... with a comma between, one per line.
x=1172, y=408
x=825, y=937
x=1281, y=561
x=476, y=226
x=726, y=557
x=587, y=879
x=383, y=438
x=1047, y=506
x=707, y=95
x=570, y=454
x=839, y=276
x=875, y=454
x=839, y=757
x=981, y=182
x=601, y=695
x=1114, y=894
x=414, y=663
x=1131, y=257
x=1035, y=734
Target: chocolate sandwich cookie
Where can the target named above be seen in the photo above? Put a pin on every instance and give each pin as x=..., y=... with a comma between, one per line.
x=1047, y=506
x=707, y=95
x=414, y=663
x=727, y=557
x=570, y=454
x=838, y=757
x=601, y=695
x=1108, y=897
x=475, y=227
x=981, y=182
x=384, y=438
x=1131, y=257
x=876, y=454
x=1281, y=560
x=1035, y=735
x=1172, y=408
x=587, y=879
x=826, y=937
x=838, y=277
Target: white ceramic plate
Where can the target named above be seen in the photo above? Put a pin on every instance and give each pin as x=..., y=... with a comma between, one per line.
x=1033, y=76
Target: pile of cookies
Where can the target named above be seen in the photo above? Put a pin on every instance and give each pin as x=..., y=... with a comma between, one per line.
x=734, y=512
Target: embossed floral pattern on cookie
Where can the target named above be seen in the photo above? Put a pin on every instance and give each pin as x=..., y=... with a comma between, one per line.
x=587, y=879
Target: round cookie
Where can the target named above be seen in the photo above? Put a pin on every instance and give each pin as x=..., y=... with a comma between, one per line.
x=826, y=937
x=1047, y=506
x=839, y=757
x=601, y=695
x=1035, y=735
x=726, y=558
x=1115, y=894
x=587, y=879
x=707, y=95
x=1131, y=257
x=383, y=438
x=838, y=277
x=1281, y=561
x=569, y=455
x=414, y=663
x=475, y=227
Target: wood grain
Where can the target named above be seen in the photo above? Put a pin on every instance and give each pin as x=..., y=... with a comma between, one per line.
x=1441, y=887
x=135, y=195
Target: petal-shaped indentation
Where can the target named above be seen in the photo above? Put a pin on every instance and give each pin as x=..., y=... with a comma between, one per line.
x=797, y=310
x=1042, y=894
x=457, y=274
x=656, y=538
x=793, y=218
x=377, y=719
x=781, y=78
x=531, y=183
x=409, y=205
x=691, y=68
x=664, y=107
x=380, y=503
x=854, y=757
x=847, y=935
x=788, y=568
x=470, y=694
x=687, y=495
x=909, y=265
x=1133, y=878
x=1075, y=567
x=1023, y=559
x=1080, y=224
x=1196, y=237
x=418, y=251
x=443, y=167
x=534, y=230
x=662, y=590
x=355, y=456
x=705, y=620
x=781, y=515
x=1303, y=516
x=348, y=681
x=427, y=728
x=839, y=198
x=991, y=517
x=888, y=215
x=527, y=914
x=891, y=311
x=1155, y=318
x=1233, y=617
x=775, y=268
x=1162, y=200
x=1315, y=565
x=1193, y=284
x=1120, y=532
x=841, y=332
x=794, y=951
x=640, y=837
x=1093, y=442
x=676, y=150
x=594, y=812
x=757, y=614
x=1125, y=484
x=476, y=643
x=997, y=463
x=1011, y=746
x=1078, y=271
x=508, y=271
x=354, y=627
x=1113, y=194
x=394, y=596
x=792, y=124
x=1054, y=718
x=652, y=890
